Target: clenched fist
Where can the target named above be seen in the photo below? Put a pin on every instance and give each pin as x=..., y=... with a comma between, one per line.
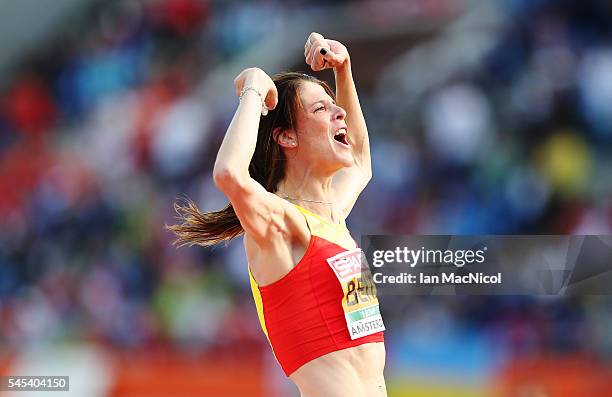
x=322, y=53
x=258, y=79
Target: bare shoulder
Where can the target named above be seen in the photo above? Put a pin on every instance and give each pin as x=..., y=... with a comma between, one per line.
x=295, y=220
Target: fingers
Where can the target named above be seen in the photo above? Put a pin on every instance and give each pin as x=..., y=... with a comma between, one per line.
x=309, y=51
x=318, y=53
x=257, y=78
x=324, y=58
x=315, y=37
x=271, y=99
x=319, y=57
x=313, y=40
x=319, y=62
x=239, y=83
x=312, y=51
x=335, y=60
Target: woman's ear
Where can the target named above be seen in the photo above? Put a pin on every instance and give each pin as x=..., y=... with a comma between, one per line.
x=285, y=138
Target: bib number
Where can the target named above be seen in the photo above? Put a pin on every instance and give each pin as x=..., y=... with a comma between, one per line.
x=359, y=300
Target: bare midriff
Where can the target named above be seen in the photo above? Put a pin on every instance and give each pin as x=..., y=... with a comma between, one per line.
x=354, y=372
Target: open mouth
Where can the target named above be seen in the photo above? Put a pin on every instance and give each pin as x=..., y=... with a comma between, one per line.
x=341, y=136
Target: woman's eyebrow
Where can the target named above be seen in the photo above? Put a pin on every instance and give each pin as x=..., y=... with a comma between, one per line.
x=323, y=101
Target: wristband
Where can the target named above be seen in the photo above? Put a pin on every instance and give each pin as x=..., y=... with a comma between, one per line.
x=264, y=109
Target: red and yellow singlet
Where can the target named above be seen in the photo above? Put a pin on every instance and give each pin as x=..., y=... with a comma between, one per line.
x=327, y=302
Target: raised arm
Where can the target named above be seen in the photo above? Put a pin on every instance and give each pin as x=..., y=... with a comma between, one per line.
x=323, y=54
x=257, y=209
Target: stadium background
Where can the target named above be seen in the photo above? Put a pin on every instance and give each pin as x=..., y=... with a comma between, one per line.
x=485, y=117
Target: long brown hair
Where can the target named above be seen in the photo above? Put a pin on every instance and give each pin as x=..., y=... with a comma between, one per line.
x=267, y=167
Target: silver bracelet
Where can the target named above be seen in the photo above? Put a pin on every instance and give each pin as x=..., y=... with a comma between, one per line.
x=264, y=109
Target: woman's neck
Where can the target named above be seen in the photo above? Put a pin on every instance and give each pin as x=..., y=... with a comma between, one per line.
x=312, y=192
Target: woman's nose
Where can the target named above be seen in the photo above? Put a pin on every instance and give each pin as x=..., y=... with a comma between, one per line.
x=340, y=113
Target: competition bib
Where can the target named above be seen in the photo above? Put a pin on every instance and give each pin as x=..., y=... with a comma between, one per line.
x=359, y=300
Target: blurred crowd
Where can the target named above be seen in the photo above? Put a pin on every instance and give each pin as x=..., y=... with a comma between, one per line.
x=103, y=130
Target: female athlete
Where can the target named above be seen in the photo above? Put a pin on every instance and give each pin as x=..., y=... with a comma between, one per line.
x=292, y=175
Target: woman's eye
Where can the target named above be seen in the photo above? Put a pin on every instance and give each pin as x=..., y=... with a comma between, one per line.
x=321, y=108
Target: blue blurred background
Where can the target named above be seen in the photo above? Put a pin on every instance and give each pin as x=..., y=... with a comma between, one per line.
x=485, y=117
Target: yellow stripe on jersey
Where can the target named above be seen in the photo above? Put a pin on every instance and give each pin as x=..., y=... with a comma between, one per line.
x=258, y=303
x=337, y=234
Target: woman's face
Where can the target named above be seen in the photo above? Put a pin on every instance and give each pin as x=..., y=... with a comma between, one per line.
x=322, y=134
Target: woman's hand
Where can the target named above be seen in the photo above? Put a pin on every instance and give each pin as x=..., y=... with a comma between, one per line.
x=258, y=79
x=322, y=53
